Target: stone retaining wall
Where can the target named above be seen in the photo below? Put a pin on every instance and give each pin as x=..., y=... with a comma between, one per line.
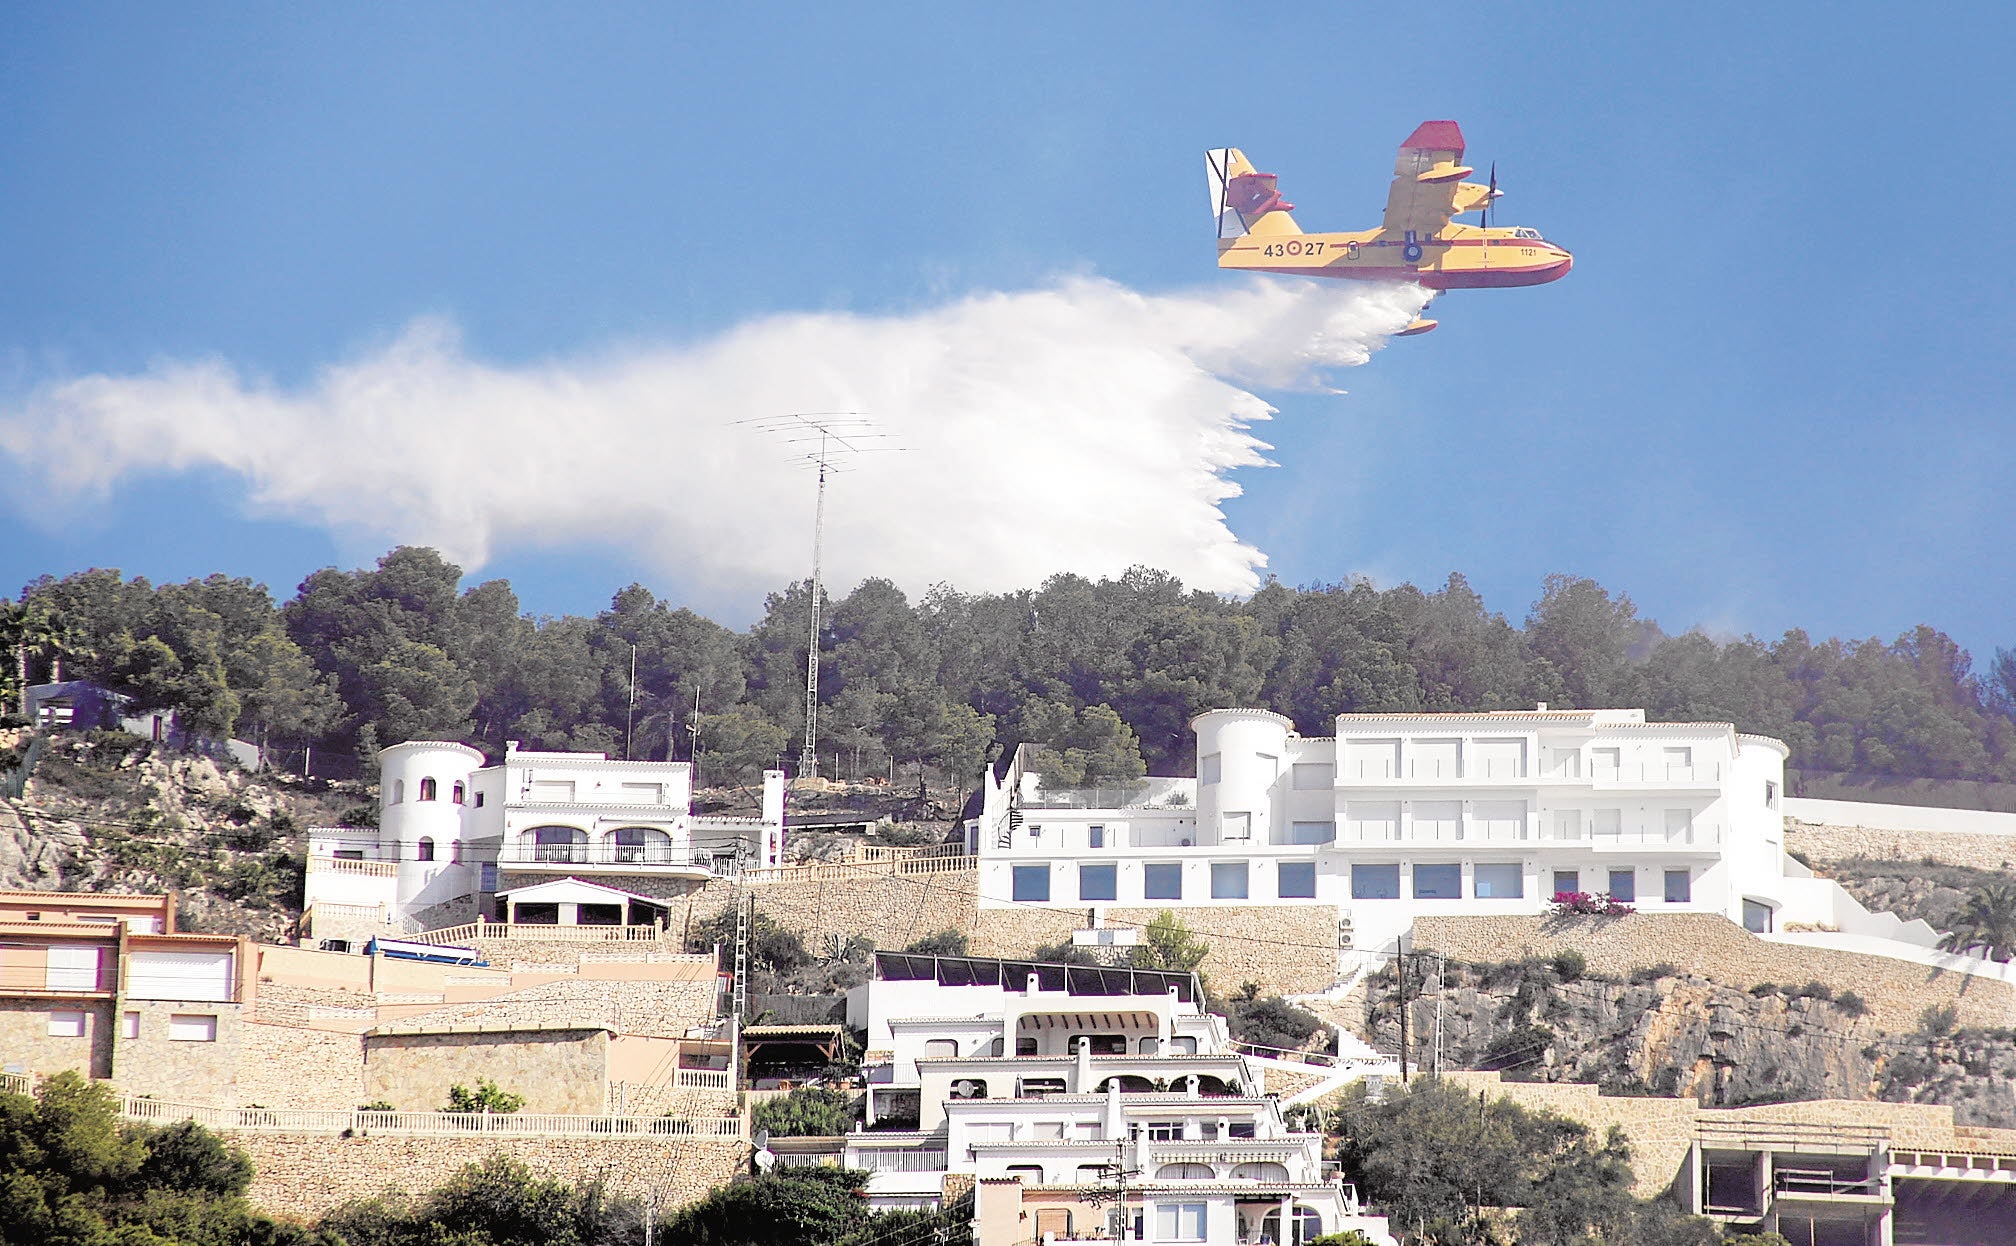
x=293, y=1066
x=1281, y=948
x=1835, y=843
x=1896, y=991
x=305, y=1176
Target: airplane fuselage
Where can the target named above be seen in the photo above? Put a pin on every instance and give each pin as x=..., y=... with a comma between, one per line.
x=1459, y=257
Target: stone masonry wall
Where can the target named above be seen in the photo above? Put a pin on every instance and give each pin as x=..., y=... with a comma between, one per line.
x=306, y=1176
x=556, y=1071
x=660, y=1009
x=25, y=1039
x=1282, y=948
x=296, y=1067
x=179, y=1070
x=1835, y=843
x=1896, y=991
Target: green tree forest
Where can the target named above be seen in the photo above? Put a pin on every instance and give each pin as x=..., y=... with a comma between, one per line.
x=1102, y=675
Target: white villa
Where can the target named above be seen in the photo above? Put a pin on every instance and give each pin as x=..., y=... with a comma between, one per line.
x=1119, y=1106
x=567, y=838
x=1399, y=816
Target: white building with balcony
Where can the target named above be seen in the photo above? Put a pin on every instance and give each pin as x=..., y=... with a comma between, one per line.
x=1399, y=816
x=1121, y=1107
x=599, y=838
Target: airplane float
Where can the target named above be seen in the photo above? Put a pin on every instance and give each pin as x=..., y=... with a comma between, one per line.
x=1419, y=240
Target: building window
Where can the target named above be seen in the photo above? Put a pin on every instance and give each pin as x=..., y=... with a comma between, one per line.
x=1567, y=882
x=1311, y=832
x=1500, y=881
x=454, y=852
x=459, y=792
x=1606, y=823
x=1375, y=882
x=1438, y=882
x=1228, y=880
x=1310, y=776
x=645, y=845
x=1208, y=769
x=129, y=1025
x=479, y=800
x=559, y=843
x=1031, y=882
x=1179, y=1222
x=192, y=1027
x=66, y=1024
x=398, y=791
x=1756, y=917
x=1162, y=881
x=1624, y=886
x=1770, y=794
x=1236, y=827
x=1165, y=1131
x=1295, y=880
x=1098, y=882
x=1679, y=826
x=1053, y=1222
x=424, y=850
x=427, y=789
x=1095, y=837
x=486, y=876
x=1679, y=887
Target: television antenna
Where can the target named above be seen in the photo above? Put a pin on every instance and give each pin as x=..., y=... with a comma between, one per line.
x=828, y=441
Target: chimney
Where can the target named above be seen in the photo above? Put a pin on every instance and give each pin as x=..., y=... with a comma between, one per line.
x=1540, y=707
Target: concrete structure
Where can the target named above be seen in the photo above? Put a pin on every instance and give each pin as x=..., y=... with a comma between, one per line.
x=1402, y=816
x=1119, y=1106
x=453, y=832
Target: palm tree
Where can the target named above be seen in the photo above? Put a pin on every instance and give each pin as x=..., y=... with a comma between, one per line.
x=1988, y=921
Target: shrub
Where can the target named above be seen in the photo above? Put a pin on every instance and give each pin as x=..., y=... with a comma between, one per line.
x=943, y=943
x=1766, y=988
x=1568, y=964
x=1589, y=904
x=1518, y=1048
x=485, y=1098
x=1814, y=990
x=377, y=1105
x=809, y=1111
x=1939, y=1020
x=1652, y=973
x=1271, y=1022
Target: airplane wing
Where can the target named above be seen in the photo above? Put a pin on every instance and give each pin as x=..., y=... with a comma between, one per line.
x=1427, y=180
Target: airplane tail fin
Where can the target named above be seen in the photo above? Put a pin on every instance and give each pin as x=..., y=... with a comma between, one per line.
x=1243, y=199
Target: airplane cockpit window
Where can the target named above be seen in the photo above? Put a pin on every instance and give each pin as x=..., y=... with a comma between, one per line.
x=1523, y=232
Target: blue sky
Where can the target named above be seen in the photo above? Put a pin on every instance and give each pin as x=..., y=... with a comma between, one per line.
x=1775, y=391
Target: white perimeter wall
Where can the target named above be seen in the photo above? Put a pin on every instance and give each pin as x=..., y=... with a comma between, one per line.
x=1899, y=817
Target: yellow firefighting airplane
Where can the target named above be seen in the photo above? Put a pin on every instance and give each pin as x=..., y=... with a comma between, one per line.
x=1419, y=240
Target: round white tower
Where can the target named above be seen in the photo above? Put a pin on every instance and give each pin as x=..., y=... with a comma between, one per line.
x=1243, y=750
x=423, y=789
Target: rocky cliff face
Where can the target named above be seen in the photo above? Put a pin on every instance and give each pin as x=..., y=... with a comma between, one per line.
x=108, y=812
x=1674, y=1034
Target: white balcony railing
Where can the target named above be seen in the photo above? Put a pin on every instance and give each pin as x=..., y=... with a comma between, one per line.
x=1409, y=770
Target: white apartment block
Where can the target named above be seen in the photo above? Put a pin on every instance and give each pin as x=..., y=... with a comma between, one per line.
x=1399, y=816
x=1118, y=1105
x=453, y=831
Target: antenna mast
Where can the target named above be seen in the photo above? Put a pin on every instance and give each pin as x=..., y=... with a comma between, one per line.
x=808, y=757
x=832, y=438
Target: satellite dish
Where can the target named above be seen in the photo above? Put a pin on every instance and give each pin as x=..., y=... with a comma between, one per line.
x=965, y=1088
x=760, y=1140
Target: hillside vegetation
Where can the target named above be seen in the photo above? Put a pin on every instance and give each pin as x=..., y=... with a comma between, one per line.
x=1669, y=1033
x=1104, y=675
x=106, y=811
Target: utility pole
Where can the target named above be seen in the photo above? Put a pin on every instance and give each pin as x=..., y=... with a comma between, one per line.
x=833, y=438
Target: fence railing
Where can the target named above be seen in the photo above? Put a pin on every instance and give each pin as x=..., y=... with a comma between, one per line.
x=862, y=869
x=878, y=852
x=347, y=865
x=704, y=1079
x=542, y=931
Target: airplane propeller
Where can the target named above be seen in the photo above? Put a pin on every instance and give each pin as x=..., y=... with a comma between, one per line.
x=1492, y=201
